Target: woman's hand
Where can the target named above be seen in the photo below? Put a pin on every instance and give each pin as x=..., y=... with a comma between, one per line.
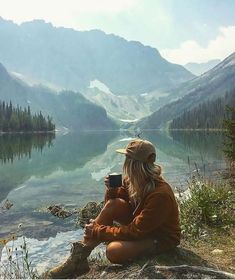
x=88, y=229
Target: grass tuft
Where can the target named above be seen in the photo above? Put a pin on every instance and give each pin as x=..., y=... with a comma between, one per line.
x=207, y=206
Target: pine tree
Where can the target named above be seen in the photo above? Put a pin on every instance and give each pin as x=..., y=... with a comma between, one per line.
x=21, y=120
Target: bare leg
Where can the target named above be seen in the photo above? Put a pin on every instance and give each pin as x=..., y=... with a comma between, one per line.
x=114, y=210
x=123, y=251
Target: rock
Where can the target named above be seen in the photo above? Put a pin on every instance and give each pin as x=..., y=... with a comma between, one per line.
x=6, y=205
x=89, y=211
x=59, y=211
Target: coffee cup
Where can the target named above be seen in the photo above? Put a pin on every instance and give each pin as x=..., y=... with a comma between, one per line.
x=115, y=180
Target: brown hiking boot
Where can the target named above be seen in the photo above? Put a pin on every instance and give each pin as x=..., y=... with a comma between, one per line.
x=75, y=265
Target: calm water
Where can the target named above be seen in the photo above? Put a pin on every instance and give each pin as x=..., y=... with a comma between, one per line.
x=36, y=171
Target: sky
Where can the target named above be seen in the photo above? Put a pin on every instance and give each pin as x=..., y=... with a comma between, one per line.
x=182, y=30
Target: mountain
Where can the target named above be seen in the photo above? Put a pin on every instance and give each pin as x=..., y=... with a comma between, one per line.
x=69, y=109
x=209, y=86
x=71, y=59
x=200, y=68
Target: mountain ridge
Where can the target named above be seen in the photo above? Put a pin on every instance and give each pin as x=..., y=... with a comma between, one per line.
x=71, y=59
x=208, y=86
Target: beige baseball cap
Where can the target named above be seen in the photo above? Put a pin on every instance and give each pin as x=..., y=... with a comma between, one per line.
x=139, y=149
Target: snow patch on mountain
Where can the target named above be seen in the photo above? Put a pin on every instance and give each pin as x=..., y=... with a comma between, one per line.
x=101, y=86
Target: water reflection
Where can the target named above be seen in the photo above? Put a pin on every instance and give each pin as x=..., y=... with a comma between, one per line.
x=14, y=146
x=73, y=150
x=71, y=172
x=207, y=144
x=68, y=152
x=187, y=150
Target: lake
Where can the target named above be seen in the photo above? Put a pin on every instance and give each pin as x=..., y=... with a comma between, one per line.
x=39, y=170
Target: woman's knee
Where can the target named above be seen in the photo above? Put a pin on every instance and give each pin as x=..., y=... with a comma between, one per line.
x=119, y=209
x=112, y=205
x=124, y=251
x=114, y=253
x=115, y=202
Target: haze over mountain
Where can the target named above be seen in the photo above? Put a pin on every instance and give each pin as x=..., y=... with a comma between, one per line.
x=71, y=59
x=209, y=86
x=200, y=68
x=69, y=109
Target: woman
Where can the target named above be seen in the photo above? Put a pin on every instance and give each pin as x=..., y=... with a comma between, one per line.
x=144, y=206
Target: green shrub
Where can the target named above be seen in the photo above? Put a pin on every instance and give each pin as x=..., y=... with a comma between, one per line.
x=208, y=205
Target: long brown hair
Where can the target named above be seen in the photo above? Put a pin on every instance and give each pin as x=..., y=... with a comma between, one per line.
x=142, y=177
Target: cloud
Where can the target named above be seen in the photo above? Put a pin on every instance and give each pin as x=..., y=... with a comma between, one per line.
x=24, y=10
x=190, y=51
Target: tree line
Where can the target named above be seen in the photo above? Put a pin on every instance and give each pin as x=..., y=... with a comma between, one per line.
x=207, y=115
x=17, y=119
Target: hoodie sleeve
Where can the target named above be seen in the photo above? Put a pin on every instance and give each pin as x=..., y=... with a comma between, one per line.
x=156, y=210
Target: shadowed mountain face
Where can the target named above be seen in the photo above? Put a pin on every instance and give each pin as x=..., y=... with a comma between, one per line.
x=71, y=59
x=209, y=86
x=67, y=108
